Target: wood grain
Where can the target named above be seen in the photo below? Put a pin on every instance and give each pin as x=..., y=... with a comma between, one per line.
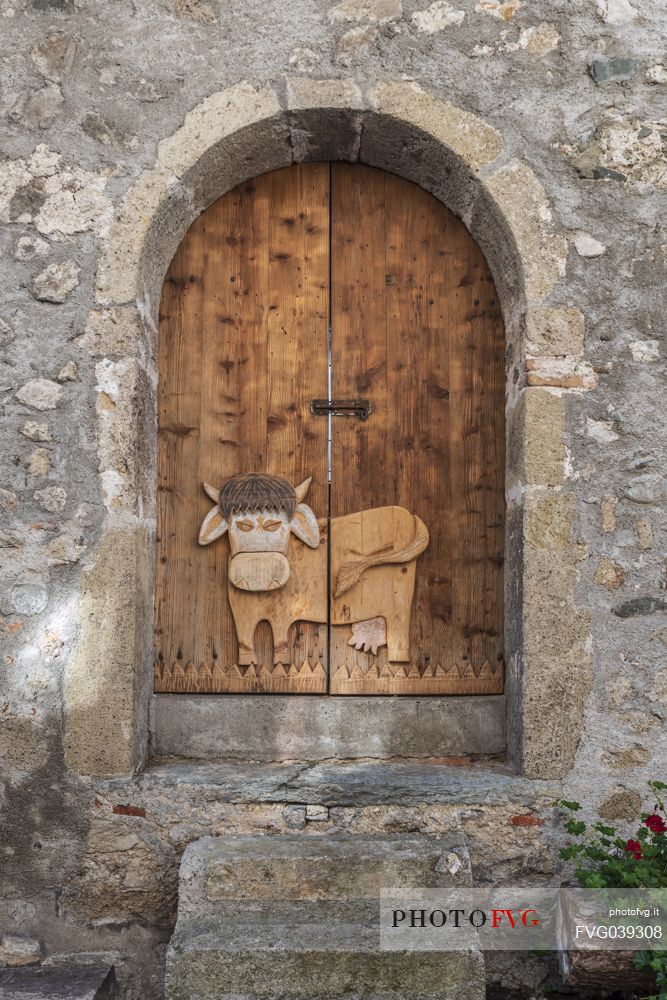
x=417, y=330
x=384, y=542
x=242, y=350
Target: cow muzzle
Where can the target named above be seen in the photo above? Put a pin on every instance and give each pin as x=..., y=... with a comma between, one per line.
x=259, y=571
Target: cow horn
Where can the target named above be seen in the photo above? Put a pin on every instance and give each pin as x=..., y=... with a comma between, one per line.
x=212, y=493
x=303, y=489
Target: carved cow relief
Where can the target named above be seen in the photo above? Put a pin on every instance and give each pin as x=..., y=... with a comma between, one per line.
x=331, y=361
x=368, y=583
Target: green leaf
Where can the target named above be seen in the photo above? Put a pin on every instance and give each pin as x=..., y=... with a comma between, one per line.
x=572, y=806
x=567, y=853
x=596, y=881
x=575, y=827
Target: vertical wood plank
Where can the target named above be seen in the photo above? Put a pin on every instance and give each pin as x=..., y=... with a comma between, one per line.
x=179, y=427
x=243, y=349
x=477, y=437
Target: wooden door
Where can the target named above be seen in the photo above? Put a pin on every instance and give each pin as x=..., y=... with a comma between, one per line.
x=242, y=350
x=416, y=328
x=416, y=331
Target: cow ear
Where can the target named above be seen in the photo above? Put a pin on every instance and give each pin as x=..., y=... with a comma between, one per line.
x=304, y=525
x=213, y=526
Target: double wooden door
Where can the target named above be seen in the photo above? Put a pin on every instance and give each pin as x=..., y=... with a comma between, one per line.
x=334, y=282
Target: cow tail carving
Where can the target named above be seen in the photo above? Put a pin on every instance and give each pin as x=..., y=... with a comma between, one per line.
x=351, y=572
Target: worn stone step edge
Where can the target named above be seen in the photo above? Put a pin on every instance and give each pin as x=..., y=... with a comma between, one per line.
x=353, y=925
x=202, y=962
x=333, y=785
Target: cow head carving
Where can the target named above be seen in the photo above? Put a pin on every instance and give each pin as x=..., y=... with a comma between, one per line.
x=259, y=512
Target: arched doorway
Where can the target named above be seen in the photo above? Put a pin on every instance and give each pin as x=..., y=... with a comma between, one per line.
x=296, y=304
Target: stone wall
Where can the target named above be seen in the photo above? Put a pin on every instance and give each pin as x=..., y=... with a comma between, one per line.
x=543, y=125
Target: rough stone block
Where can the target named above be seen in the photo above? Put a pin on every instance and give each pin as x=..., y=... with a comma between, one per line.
x=437, y=145
x=403, y=148
x=329, y=866
x=233, y=135
x=612, y=70
x=543, y=429
x=65, y=981
x=303, y=93
x=325, y=118
x=40, y=394
x=115, y=333
x=124, y=408
x=326, y=134
x=254, y=150
x=16, y=951
x=557, y=669
x=557, y=332
x=105, y=707
x=130, y=260
x=56, y=282
x=295, y=817
x=217, y=116
x=526, y=209
x=560, y=373
x=317, y=814
x=468, y=136
x=624, y=151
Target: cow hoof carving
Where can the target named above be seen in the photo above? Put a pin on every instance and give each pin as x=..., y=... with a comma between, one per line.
x=373, y=555
x=369, y=636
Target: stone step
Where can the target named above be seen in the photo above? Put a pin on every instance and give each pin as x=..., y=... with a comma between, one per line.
x=321, y=866
x=298, y=916
x=309, y=950
x=62, y=981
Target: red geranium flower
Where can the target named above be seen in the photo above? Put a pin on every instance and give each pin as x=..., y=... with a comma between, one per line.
x=635, y=848
x=655, y=823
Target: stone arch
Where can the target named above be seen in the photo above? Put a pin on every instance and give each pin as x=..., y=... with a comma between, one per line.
x=239, y=133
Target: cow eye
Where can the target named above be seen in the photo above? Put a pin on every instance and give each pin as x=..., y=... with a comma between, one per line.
x=271, y=525
x=245, y=525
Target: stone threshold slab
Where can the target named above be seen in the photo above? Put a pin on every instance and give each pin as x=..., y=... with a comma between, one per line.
x=303, y=728
x=332, y=785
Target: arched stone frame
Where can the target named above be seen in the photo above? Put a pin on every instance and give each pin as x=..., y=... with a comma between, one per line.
x=239, y=133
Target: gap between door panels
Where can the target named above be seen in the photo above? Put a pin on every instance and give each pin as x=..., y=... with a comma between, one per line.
x=329, y=433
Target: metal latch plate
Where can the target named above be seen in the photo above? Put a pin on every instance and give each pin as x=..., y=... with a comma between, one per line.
x=361, y=408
